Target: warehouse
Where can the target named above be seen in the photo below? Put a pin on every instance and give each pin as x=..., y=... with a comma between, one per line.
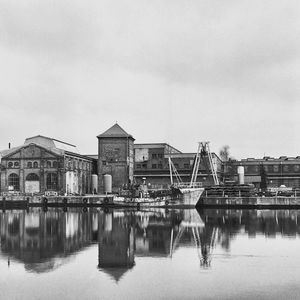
x=46, y=166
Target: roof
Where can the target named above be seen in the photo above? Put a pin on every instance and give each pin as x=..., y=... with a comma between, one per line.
x=6, y=152
x=116, y=272
x=14, y=150
x=171, y=149
x=51, y=143
x=115, y=131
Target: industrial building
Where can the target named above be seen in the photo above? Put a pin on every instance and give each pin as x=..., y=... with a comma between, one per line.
x=151, y=161
x=47, y=166
x=269, y=171
x=115, y=157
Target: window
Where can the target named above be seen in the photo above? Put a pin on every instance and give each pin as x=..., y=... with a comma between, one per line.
x=138, y=166
x=154, y=156
x=144, y=166
x=35, y=164
x=32, y=177
x=296, y=168
x=54, y=164
x=154, y=166
x=160, y=155
x=16, y=164
x=14, y=181
x=48, y=164
x=10, y=164
x=285, y=168
x=176, y=166
x=29, y=164
x=159, y=166
x=51, y=181
x=276, y=168
x=186, y=166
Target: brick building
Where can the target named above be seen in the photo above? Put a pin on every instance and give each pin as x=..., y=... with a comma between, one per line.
x=45, y=165
x=115, y=157
x=151, y=162
x=275, y=171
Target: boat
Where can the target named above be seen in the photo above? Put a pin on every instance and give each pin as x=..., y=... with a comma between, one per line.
x=180, y=194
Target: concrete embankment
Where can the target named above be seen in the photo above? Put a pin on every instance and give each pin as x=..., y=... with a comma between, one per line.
x=250, y=202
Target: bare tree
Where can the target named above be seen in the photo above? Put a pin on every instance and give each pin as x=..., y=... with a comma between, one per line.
x=224, y=153
x=228, y=169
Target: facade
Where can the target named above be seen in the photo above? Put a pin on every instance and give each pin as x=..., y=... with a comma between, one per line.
x=152, y=162
x=115, y=157
x=44, y=165
x=273, y=171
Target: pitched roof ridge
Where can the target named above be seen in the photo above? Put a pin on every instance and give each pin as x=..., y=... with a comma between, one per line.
x=115, y=131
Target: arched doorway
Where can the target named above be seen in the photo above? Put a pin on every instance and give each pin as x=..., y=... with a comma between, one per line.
x=32, y=183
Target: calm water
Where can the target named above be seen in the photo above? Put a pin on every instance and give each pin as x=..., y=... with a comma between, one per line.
x=183, y=254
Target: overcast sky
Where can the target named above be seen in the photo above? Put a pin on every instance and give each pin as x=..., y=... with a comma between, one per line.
x=177, y=71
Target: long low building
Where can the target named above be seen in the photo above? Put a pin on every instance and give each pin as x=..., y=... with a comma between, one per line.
x=44, y=165
x=269, y=171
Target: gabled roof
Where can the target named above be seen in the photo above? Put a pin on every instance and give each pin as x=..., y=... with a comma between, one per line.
x=9, y=152
x=115, y=131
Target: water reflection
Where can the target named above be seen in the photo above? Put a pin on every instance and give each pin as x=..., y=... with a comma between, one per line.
x=43, y=241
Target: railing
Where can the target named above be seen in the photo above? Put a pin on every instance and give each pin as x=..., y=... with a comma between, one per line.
x=182, y=185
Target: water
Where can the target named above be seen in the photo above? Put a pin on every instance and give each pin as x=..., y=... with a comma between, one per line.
x=159, y=254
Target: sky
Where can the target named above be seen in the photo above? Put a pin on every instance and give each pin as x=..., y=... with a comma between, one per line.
x=169, y=71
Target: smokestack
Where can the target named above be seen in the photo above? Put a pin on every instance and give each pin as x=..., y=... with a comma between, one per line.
x=8, y=145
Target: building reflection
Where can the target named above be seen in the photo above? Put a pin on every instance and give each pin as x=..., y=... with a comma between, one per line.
x=116, y=236
x=43, y=241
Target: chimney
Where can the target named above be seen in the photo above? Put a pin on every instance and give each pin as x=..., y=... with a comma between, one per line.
x=8, y=145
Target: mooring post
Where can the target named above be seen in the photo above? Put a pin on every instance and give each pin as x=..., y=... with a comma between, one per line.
x=4, y=203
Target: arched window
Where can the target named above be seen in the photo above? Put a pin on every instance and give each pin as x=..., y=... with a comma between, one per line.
x=35, y=164
x=51, y=181
x=29, y=164
x=32, y=177
x=14, y=180
x=54, y=164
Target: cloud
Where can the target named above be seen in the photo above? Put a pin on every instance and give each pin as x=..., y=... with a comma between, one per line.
x=171, y=71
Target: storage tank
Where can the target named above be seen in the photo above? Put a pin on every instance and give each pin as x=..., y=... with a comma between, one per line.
x=95, y=184
x=107, y=183
x=241, y=174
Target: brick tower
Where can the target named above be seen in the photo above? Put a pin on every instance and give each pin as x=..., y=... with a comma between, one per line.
x=115, y=157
